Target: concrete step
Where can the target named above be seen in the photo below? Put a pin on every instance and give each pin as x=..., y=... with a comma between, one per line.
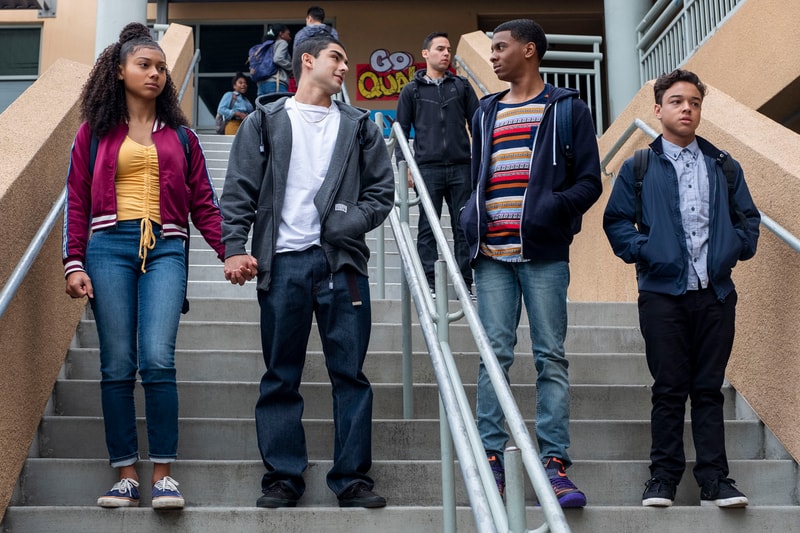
x=381, y=367
x=80, y=437
x=384, y=337
x=236, y=484
x=678, y=519
x=390, y=311
x=236, y=400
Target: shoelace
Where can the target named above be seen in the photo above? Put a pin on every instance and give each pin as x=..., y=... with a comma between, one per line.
x=125, y=486
x=562, y=483
x=658, y=484
x=167, y=483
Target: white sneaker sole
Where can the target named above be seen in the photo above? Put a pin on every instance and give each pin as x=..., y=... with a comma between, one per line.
x=728, y=503
x=657, y=502
x=167, y=502
x=113, y=503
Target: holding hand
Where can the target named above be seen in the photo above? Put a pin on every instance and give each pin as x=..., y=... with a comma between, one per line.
x=240, y=268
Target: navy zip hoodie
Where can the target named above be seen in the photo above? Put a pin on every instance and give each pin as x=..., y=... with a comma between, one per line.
x=554, y=203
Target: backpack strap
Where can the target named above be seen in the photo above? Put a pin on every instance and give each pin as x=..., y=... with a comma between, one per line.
x=93, y=153
x=640, y=160
x=564, y=128
x=729, y=169
x=182, y=136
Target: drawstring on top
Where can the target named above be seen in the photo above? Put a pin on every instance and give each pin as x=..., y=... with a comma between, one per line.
x=147, y=241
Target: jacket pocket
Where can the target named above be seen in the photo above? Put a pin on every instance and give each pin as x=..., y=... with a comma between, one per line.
x=468, y=219
x=344, y=224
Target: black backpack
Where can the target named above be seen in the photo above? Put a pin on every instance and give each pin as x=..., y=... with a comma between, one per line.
x=640, y=160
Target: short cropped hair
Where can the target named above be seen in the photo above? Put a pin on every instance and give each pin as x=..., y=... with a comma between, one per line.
x=426, y=43
x=665, y=81
x=316, y=13
x=526, y=31
x=313, y=45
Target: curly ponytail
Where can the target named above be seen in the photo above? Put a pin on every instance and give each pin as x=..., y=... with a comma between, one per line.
x=103, y=103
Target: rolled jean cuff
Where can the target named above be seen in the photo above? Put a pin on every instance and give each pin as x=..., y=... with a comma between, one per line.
x=162, y=460
x=126, y=461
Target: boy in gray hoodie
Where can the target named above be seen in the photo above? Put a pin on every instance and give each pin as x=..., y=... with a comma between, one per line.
x=311, y=176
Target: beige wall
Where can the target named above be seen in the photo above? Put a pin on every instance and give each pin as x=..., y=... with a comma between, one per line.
x=70, y=35
x=753, y=55
x=38, y=326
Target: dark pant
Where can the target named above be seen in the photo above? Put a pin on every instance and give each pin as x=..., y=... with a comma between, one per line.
x=688, y=341
x=302, y=287
x=450, y=183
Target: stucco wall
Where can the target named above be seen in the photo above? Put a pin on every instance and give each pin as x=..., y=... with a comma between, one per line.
x=70, y=35
x=36, y=133
x=753, y=55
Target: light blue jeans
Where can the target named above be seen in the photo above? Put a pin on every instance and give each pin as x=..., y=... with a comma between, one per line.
x=270, y=86
x=137, y=317
x=542, y=286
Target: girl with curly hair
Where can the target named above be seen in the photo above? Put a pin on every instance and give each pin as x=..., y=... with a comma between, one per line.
x=125, y=247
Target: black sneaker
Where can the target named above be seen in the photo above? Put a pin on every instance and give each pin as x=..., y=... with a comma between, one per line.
x=721, y=493
x=279, y=494
x=658, y=493
x=499, y=473
x=359, y=495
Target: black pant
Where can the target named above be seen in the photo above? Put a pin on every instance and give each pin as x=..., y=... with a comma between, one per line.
x=450, y=183
x=688, y=340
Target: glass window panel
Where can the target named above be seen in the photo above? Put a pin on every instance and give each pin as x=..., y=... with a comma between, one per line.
x=20, y=48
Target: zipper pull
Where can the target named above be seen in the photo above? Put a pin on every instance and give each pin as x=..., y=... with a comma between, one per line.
x=330, y=282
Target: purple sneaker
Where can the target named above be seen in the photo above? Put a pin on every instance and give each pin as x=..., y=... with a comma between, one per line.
x=567, y=493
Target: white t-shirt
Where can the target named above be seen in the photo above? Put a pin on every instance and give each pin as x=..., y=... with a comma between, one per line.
x=314, y=132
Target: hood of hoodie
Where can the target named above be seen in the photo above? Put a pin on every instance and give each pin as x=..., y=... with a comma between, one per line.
x=555, y=94
x=270, y=103
x=419, y=76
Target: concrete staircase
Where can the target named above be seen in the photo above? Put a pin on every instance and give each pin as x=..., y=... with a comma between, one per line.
x=219, y=365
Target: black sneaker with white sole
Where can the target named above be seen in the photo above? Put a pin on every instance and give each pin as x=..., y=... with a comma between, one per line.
x=721, y=493
x=658, y=493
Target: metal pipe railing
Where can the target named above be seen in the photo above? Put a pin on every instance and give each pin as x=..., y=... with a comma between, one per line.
x=478, y=478
x=31, y=253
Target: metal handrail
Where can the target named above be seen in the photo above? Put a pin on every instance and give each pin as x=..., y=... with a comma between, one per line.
x=32, y=251
x=587, y=80
x=485, y=501
x=190, y=73
x=766, y=221
x=672, y=30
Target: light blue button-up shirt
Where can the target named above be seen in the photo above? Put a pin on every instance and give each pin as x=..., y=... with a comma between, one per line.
x=693, y=191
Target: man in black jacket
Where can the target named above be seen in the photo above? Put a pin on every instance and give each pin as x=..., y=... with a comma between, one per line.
x=439, y=105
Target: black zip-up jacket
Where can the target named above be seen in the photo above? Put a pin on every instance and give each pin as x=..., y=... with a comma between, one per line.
x=439, y=114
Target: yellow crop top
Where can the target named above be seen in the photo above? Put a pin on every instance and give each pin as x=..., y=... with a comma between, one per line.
x=137, y=190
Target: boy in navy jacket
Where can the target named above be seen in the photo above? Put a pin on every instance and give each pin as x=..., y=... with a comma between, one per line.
x=692, y=231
